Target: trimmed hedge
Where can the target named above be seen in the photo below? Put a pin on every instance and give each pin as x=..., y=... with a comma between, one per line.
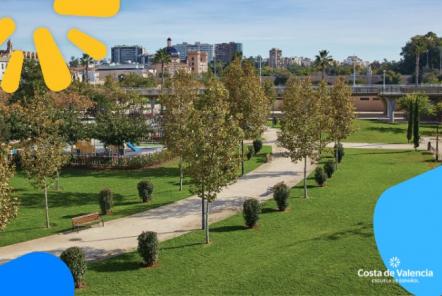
x=320, y=176
x=251, y=211
x=257, y=145
x=145, y=190
x=149, y=248
x=105, y=200
x=330, y=168
x=281, y=196
x=74, y=258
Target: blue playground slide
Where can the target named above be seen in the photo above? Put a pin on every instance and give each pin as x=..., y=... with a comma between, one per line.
x=133, y=147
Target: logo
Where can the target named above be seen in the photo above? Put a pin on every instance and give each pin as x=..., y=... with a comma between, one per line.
x=395, y=262
x=396, y=274
x=55, y=71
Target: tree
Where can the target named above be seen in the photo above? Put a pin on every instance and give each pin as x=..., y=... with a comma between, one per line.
x=270, y=92
x=300, y=123
x=162, y=57
x=43, y=153
x=85, y=62
x=8, y=202
x=42, y=160
x=247, y=101
x=322, y=61
x=416, y=105
x=341, y=112
x=120, y=117
x=212, y=153
x=419, y=45
x=178, y=103
x=136, y=80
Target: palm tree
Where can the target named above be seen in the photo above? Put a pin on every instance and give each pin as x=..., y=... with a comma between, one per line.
x=419, y=45
x=85, y=61
x=162, y=57
x=323, y=61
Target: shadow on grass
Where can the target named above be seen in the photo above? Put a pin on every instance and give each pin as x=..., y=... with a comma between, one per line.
x=184, y=246
x=229, y=228
x=394, y=130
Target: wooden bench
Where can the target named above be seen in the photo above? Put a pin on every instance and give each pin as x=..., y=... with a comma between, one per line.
x=86, y=220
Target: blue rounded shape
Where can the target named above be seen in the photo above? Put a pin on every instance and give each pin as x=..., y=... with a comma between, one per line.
x=36, y=274
x=408, y=232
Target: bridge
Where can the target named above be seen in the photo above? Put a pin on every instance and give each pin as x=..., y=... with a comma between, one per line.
x=388, y=93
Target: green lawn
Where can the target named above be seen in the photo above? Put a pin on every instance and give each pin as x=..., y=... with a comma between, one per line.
x=315, y=248
x=79, y=196
x=372, y=131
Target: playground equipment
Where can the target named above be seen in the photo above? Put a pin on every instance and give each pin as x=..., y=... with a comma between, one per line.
x=133, y=147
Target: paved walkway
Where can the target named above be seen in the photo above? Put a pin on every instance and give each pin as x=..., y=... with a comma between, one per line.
x=120, y=236
x=379, y=146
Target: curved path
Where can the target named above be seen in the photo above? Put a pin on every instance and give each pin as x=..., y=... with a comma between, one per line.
x=120, y=236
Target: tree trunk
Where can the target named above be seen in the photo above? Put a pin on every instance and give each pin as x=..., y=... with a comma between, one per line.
x=337, y=154
x=203, y=211
x=181, y=173
x=305, y=178
x=242, y=158
x=207, y=223
x=48, y=224
x=417, y=68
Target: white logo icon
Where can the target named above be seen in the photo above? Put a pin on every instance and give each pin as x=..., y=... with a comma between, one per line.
x=395, y=262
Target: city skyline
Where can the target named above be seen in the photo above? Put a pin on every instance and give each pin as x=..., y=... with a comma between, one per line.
x=298, y=28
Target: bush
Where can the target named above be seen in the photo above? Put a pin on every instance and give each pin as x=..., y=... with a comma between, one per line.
x=330, y=168
x=257, y=145
x=145, y=190
x=251, y=211
x=281, y=196
x=340, y=152
x=148, y=248
x=74, y=258
x=320, y=176
x=106, y=201
x=250, y=153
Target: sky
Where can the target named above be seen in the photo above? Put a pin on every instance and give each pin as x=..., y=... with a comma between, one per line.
x=370, y=29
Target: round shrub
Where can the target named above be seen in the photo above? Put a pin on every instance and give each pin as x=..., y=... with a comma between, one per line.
x=149, y=248
x=330, y=168
x=281, y=196
x=257, y=145
x=251, y=211
x=250, y=153
x=320, y=176
x=339, y=152
x=74, y=258
x=105, y=198
x=145, y=190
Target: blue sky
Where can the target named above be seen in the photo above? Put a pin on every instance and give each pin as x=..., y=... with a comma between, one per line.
x=373, y=29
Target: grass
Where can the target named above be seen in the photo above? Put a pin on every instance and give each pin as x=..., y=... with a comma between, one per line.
x=80, y=196
x=373, y=131
x=315, y=248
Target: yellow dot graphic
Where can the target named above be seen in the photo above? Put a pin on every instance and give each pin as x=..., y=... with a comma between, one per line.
x=96, y=49
x=55, y=71
x=11, y=80
x=97, y=8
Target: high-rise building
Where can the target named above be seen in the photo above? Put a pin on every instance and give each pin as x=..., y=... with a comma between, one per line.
x=124, y=54
x=198, y=62
x=275, y=58
x=184, y=48
x=225, y=52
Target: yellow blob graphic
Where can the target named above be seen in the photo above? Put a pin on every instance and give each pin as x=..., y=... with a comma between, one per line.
x=94, y=8
x=88, y=44
x=11, y=79
x=7, y=28
x=55, y=71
